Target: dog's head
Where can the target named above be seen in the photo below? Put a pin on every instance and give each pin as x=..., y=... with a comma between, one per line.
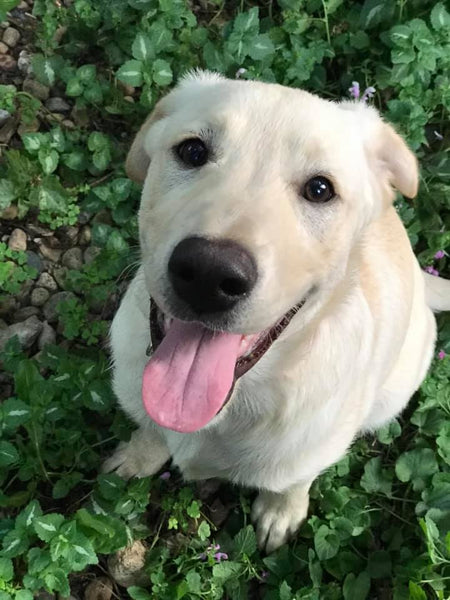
x=254, y=198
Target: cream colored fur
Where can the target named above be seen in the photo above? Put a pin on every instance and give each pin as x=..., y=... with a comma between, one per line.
x=358, y=349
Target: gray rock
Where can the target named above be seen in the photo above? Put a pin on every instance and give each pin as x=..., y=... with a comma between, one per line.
x=46, y=281
x=25, y=290
x=68, y=235
x=73, y=258
x=127, y=566
x=35, y=88
x=35, y=261
x=25, y=313
x=91, y=253
x=57, y=105
x=85, y=235
x=3, y=324
x=47, y=336
x=11, y=36
x=8, y=129
x=26, y=331
x=17, y=240
x=60, y=276
x=7, y=305
x=4, y=116
x=50, y=312
x=24, y=62
x=3, y=48
x=39, y=296
x=52, y=254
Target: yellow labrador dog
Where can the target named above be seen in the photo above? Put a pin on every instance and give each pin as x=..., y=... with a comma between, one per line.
x=279, y=310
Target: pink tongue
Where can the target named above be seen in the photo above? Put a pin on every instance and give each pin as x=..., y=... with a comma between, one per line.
x=188, y=378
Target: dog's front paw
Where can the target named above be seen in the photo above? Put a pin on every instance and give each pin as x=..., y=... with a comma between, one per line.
x=278, y=516
x=142, y=456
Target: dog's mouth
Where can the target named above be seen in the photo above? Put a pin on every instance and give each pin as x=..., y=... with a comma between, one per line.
x=193, y=369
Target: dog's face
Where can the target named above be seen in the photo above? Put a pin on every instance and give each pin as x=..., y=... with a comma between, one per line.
x=290, y=178
x=254, y=198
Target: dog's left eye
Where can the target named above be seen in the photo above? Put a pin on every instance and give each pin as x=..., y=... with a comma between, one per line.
x=192, y=152
x=318, y=189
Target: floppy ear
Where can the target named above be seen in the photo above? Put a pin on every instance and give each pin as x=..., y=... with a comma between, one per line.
x=403, y=171
x=388, y=153
x=138, y=161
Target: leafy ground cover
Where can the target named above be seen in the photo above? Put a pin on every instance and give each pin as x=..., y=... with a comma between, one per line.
x=76, y=79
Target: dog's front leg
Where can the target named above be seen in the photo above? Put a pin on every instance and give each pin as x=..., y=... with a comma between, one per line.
x=142, y=456
x=278, y=515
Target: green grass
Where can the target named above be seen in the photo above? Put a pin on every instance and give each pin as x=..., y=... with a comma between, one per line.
x=379, y=520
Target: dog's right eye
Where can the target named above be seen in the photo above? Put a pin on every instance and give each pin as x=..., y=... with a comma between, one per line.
x=192, y=152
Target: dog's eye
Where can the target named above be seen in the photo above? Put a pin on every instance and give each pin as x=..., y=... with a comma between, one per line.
x=318, y=189
x=192, y=152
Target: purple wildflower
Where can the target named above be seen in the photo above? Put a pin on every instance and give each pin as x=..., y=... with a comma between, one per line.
x=354, y=90
x=441, y=355
x=368, y=93
x=439, y=254
x=204, y=555
x=165, y=476
x=220, y=556
x=432, y=271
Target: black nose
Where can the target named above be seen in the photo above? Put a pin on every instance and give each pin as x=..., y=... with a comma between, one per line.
x=211, y=275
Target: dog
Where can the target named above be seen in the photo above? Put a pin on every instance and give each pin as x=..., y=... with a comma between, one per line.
x=278, y=292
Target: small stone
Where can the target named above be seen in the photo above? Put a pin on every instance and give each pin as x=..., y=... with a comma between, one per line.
x=27, y=332
x=11, y=36
x=84, y=217
x=52, y=254
x=23, y=5
x=44, y=595
x=47, y=336
x=60, y=276
x=129, y=99
x=68, y=124
x=3, y=48
x=39, y=296
x=35, y=261
x=25, y=313
x=91, y=253
x=24, y=62
x=46, y=281
x=36, y=89
x=128, y=90
x=68, y=235
x=7, y=62
x=57, y=105
x=9, y=128
x=7, y=305
x=29, y=127
x=126, y=566
x=25, y=290
x=4, y=116
x=50, y=312
x=59, y=33
x=99, y=589
x=73, y=258
x=80, y=116
x=10, y=213
x=85, y=235
x=18, y=240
